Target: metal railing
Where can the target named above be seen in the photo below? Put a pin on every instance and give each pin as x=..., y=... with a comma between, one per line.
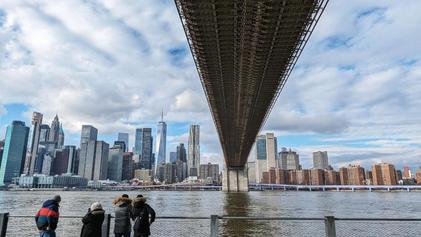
x=215, y=225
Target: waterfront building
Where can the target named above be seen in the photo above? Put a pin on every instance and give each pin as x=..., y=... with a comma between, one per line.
x=265, y=177
x=61, y=162
x=398, y=175
x=251, y=172
x=144, y=175
x=143, y=147
x=101, y=160
x=331, y=177
x=127, y=166
x=317, y=177
x=293, y=160
x=282, y=161
x=406, y=172
x=193, y=150
x=124, y=137
x=368, y=177
x=60, y=181
x=272, y=175
x=115, y=163
x=282, y=176
x=161, y=142
x=36, y=130
x=418, y=175
x=304, y=177
x=44, y=133
x=14, y=152
x=266, y=154
x=209, y=171
x=47, y=164
x=173, y=156
x=292, y=176
x=89, y=133
x=343, y=176
x=181, y=152
x=384, y=174
x=356, y=175
x=320, y=160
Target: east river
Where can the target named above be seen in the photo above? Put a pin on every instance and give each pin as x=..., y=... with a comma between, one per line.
x=252, y=204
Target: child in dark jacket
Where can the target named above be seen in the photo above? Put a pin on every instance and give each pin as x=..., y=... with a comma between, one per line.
x=47, y=217
x=92, y=221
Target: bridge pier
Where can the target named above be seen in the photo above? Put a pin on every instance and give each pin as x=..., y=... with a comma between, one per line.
x=235, y=180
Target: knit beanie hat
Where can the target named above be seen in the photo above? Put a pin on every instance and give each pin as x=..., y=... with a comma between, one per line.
x=96, y=206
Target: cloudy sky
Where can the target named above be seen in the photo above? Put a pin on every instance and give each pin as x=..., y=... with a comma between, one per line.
x=356, y=91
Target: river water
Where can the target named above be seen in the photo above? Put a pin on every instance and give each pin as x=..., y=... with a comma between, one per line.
x=253, y=204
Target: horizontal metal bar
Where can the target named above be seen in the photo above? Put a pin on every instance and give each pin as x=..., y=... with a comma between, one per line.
x=252, y=218
x=377, y=219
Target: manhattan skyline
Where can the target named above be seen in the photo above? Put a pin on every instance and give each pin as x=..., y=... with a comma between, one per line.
x=358, y=107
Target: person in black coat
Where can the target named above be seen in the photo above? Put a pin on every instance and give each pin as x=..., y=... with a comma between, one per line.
x=143, y=215
x=123, y=214
x=92, y=221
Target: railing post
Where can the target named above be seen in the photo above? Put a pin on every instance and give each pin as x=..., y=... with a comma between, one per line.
x=106, y=225
x=4, y=218
x=330, y=226
x=214, y=226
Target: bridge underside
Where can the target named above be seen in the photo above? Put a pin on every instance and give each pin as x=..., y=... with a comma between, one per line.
x=244, y=51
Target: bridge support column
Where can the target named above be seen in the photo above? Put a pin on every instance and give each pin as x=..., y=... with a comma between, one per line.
x=235, y=180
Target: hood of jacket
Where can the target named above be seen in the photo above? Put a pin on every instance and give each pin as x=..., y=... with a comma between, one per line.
x=122, y=201
x=50, y=203
x=98, y=212
x=139, y=201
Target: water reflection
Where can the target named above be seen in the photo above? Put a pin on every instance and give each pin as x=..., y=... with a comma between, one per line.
x=238, y=204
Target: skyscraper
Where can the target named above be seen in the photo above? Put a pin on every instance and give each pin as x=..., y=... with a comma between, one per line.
x=282, y=162
x=60, y=137
x=36, y=129
x=101, y=160
x=143, y=147
x=125, y=138
x=128, y=166
x=194, y=150
x=89, y=133
x=45, y=131
x=87, y=159
x=14, y=152
x=320, y=160
x=266, y=154
x=181, y=153
x=293, y=160
x=73, y=164
x=54, y=130
x=173, y=156
x=161, y=142
x=115, y=163
x=60, y=162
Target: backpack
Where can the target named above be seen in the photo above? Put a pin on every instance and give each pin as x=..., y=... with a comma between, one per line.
x=141, y=220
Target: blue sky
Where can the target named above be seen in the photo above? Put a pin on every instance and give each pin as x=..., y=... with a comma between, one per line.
x=355, y=92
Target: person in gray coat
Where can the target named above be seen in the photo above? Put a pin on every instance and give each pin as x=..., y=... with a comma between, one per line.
x=123, y=214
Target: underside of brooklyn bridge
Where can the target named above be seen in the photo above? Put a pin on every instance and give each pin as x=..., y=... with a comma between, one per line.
x=244, y=51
